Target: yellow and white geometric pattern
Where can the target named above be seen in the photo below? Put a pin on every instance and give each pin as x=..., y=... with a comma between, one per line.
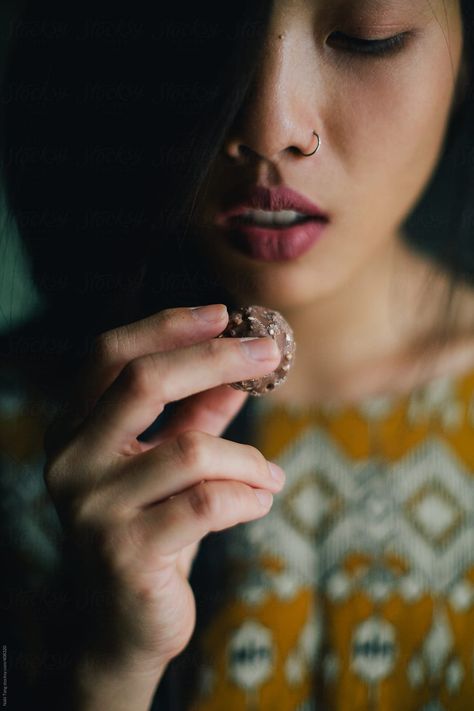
x=356, y=590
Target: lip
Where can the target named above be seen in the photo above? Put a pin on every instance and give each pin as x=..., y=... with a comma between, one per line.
x=272, y=244
x=276, y=245
x=259, y=197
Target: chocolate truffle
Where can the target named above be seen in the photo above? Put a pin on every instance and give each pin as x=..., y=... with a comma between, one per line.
x=258, y=321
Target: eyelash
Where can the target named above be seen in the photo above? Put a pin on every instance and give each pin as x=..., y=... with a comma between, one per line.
x=374, y=48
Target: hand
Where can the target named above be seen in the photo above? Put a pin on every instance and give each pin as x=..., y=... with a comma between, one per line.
x=137, y=511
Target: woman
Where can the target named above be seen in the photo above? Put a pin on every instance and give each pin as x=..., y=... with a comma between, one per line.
x=354, y=589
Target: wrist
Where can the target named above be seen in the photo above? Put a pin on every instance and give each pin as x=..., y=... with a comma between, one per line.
x=118, y=687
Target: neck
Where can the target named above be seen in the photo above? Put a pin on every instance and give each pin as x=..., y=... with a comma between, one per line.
x=360, y=339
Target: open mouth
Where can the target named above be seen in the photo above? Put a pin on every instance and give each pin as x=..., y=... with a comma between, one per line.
x=273, y=219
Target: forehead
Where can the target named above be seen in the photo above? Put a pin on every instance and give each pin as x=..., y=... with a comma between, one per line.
x=425, y=6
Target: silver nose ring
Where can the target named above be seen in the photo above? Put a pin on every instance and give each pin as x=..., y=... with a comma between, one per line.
x=317, y=147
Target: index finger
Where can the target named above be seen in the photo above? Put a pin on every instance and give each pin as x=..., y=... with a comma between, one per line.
x=143, y=389
x=113, y=349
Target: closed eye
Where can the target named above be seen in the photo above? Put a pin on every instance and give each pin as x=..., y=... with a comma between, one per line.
x=371, y=47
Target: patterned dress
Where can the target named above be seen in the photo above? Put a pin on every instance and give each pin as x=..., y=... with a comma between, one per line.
x=354, y=593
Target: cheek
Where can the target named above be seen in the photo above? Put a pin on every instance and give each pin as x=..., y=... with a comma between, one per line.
x=390, y=124
x=399, y=112
x=416, y=118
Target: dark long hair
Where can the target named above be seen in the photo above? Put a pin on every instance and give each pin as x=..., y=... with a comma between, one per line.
x=113, y=113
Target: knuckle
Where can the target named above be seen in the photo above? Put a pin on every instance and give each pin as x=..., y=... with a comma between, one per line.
x=225, y=352
x=213, y=348
x=205, y=502
x=106, y=346
x=167, y=316
x=191, y=451
x=136, y=376
x=258, y=460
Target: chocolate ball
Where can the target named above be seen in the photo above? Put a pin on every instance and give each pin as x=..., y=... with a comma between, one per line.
x=258, y=321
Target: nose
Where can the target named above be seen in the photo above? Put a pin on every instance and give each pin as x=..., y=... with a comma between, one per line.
x=280, y=116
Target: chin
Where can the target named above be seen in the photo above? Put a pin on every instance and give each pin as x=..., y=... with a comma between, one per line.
x=282, y=285
x=278, y=287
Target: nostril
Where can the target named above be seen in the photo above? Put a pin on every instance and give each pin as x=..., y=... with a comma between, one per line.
x=245, y=150
x=294, y=150
x=238, y=150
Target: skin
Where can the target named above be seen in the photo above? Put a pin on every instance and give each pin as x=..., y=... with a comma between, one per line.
x=362, y=304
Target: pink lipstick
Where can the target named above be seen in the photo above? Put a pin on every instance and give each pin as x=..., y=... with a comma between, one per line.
x=272, y=224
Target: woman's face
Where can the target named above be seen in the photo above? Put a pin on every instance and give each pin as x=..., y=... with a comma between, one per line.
x=381, y=120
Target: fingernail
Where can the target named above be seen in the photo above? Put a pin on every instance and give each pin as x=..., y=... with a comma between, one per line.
x=208, y=314
x=264, y=348
x=264, y=497
x=277, y=472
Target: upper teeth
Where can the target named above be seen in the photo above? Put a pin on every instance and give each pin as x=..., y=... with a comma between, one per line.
x=273, y=217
